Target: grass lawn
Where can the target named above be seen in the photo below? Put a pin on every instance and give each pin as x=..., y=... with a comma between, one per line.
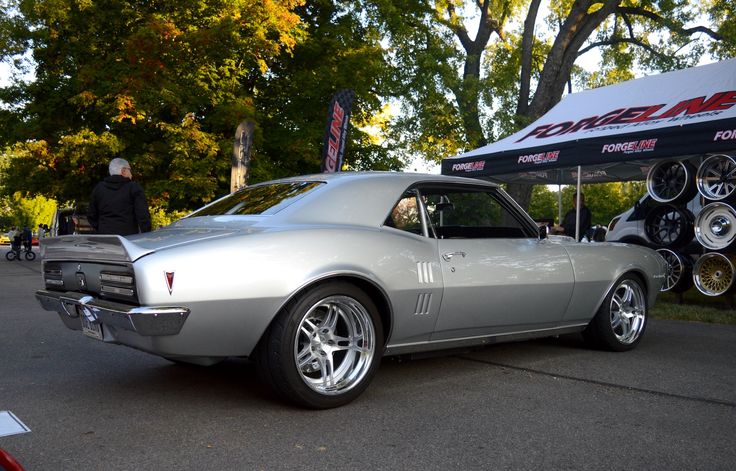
x=695, y=306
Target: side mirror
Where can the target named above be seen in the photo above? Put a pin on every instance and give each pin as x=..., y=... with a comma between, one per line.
x=542, y=232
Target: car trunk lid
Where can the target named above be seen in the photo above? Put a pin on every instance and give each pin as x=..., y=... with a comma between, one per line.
x=117, y=248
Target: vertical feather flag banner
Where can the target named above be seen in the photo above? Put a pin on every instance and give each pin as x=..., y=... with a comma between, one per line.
x=336, y=133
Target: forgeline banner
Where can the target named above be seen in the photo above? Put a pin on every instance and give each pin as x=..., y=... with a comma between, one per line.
x=336, y=132
x=677, y=114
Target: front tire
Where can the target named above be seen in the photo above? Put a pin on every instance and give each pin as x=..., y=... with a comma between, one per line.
x=621, y=320
x=324, y=347
x=10, y=256
x=30, y=255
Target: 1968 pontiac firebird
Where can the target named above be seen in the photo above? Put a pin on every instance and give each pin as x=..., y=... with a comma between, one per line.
x=317, y=277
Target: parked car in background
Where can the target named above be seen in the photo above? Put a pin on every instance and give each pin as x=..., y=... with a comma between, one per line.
x=318, y=277
x=4, y=239
x=630, y=226
x=70, y=220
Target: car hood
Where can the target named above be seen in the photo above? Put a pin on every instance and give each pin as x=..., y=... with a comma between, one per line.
x=131, y=248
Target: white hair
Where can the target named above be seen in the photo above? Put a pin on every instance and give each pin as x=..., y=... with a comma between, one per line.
x=117, y=165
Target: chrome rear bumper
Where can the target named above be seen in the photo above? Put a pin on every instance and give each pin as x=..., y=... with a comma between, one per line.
x=144, y=320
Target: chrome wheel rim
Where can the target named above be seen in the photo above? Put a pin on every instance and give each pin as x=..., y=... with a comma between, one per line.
x=668, y=181
x=628, y=311
x=713, y=274
x=716, y=177
x=715, y=226
x=335, y=345
x=675, y=268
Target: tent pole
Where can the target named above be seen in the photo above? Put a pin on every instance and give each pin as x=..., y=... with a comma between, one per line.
x=577, y=208
x=559, y=204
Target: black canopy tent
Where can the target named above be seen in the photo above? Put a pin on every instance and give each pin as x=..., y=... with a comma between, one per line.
x=614, y=133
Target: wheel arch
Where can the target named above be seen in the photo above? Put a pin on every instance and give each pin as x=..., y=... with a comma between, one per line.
x=639, y=274
x=373, y=290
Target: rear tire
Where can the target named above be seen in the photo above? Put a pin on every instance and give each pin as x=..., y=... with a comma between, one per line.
x=621, y=320
x=30, y=255
x=323, y=348
x=10, y=256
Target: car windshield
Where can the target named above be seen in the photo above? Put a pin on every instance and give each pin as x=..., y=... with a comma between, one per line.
x=259, y=199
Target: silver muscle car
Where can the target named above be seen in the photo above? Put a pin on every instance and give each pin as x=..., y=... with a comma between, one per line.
x=317, y=277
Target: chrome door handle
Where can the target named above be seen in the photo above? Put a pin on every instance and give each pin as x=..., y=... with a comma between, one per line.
x=448, y=256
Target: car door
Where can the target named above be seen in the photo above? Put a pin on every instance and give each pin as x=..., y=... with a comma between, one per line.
x=498, y=275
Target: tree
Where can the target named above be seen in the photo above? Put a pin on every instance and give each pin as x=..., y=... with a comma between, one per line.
x=605, y=200
x=464, y=88
x=162, y=84
x=342, y=51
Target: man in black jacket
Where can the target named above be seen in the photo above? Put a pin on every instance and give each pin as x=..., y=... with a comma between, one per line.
x=118, y=204
x=568, y=223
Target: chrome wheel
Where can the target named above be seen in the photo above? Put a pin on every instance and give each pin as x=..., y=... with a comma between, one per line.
x=715, y=226
x=335, y=345
x=679, y=271
x=713, y=274
x=671, y=181
x=716, y=177
x=627, y=311
x=621, y=319
x=669, y=226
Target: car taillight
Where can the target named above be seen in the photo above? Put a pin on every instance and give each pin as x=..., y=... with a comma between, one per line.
x=52, y=276
x=117, y=284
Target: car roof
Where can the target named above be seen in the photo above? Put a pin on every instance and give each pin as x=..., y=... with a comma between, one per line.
x=360, y=198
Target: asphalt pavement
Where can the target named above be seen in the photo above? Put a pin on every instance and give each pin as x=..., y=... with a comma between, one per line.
x=547, y=404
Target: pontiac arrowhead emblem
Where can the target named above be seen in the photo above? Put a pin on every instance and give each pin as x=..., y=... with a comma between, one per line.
x=169, y=280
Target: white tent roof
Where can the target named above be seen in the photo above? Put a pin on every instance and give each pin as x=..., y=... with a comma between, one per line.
x=614, y=131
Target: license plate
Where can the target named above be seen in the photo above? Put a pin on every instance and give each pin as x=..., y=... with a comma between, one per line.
x=91, y=329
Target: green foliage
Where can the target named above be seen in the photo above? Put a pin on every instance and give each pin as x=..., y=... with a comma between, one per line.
x=161, y=218
x=343, y=51
x=544, y=203
x=723, y=14
x=605, y=200
x=157, y=83
x=434, y=43
x=164, y=84
x=20, y=211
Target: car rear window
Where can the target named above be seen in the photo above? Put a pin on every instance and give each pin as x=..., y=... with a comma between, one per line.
x=260, y=199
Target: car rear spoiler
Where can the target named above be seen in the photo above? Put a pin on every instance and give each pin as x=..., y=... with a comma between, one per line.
x=112, y=248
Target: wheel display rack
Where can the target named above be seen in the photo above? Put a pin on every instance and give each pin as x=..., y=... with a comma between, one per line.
x=671, y=227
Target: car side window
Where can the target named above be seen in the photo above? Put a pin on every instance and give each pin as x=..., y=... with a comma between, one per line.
x=462, y=213
x=405, y=215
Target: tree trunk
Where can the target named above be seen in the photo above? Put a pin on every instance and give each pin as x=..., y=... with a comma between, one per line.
x=576, y=28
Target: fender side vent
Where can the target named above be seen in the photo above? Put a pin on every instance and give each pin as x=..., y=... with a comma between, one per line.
x=424, y=304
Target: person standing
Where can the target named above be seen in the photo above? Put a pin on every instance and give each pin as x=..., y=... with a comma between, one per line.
x=568, y=222
x=14, y=236
x=27, y=238
x=118, y=204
